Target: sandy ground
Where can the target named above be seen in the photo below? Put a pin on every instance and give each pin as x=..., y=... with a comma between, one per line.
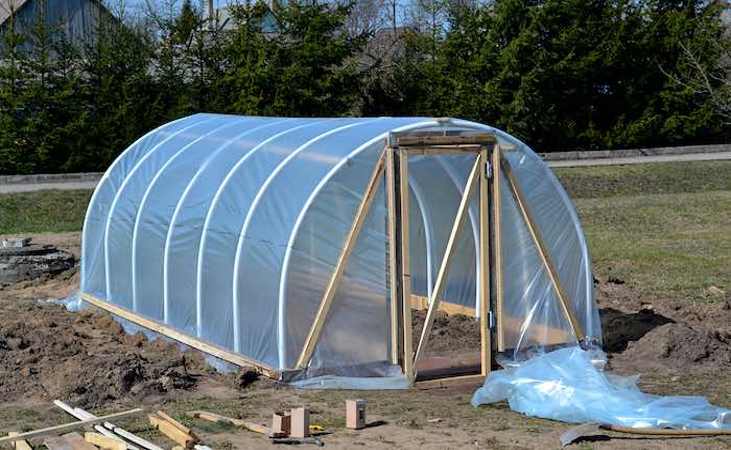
x=86, y=359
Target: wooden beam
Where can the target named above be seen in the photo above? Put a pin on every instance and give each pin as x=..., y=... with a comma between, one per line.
x=217, y=418
x=484, y=275
x=446, y=382
x=172, y=431
x=105, y=442
x=392, y=252
x=433, y=150
x=405, y=264
x=447, y=260
x=174, y=422
x=350, y=241
x=497, y=242
x=69, y=426
x=181, y=337
x=542, y=248
x=429, y=140
x=107, y=429
x=421, y=303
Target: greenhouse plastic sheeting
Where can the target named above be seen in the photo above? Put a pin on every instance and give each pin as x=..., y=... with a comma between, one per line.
x=228, y=228
x=566, y=385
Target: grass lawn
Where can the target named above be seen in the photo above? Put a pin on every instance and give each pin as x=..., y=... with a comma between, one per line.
x=43, y=211
x=663, y=228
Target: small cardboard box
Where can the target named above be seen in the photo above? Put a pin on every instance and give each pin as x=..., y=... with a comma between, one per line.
x=281, y=423
x=355, y=414
x=300, y=423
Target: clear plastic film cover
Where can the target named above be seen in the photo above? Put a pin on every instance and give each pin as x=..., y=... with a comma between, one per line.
x=228, y=229
x=567, y=385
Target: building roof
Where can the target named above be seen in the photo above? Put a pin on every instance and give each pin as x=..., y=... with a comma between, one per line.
x=8, y=7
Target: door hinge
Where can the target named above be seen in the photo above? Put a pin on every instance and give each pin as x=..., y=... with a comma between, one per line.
x=488, y=170
x=490, y=320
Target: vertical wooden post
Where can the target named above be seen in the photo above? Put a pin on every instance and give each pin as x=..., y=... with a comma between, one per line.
x=484, y=248
x=393, y=255
x=403, y=234
x=497, y=246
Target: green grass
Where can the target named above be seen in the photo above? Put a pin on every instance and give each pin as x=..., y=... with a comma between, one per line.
x=644, y=179
x=43, y=211
x=663, y=228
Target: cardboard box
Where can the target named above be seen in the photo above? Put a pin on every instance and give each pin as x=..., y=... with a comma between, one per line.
x=355, y=414
x=300, y=422
x=281, y=423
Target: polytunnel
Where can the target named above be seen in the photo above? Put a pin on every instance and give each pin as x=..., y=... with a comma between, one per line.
x=306, y=246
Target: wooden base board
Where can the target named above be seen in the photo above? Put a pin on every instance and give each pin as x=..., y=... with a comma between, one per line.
x=450, y=381
x=167, y=331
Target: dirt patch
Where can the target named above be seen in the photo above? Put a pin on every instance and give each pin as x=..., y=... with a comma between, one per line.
x=450, y=334
x=674, y=345
x=85, y=358
x=661, y=335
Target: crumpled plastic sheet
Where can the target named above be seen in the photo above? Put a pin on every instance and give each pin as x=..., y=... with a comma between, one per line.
x=566, y=385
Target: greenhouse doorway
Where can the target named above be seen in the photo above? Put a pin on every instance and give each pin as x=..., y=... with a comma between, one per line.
x=423, y=352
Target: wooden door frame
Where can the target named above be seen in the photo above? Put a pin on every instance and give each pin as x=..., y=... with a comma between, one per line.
x=400, y=146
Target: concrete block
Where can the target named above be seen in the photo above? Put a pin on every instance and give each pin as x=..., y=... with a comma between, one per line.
x=355, y=414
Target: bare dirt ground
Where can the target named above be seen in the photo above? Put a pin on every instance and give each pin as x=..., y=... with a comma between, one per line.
x=86, y=359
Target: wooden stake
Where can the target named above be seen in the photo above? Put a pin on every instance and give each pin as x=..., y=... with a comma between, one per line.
x=484, y=248
x=447, y=260
x=348, y=246
x=542, y=250
x=497, y=246
x=69, y=426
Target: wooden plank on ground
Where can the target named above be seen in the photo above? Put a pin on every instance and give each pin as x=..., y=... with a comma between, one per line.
x=69, y=426
x=172, y=432
x=175, y=423
x=20, y=444
x=107, y=429
x=105, y=442
x=217, y=418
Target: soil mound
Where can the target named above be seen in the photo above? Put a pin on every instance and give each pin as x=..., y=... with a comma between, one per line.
x=676, y=345
x=455, y=333
x=85, y=358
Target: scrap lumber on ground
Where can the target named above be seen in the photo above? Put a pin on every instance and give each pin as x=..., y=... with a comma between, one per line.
x=20, y=444
x=217, y=418
x=173, y=429
x=69, y=426
x=105, y=442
